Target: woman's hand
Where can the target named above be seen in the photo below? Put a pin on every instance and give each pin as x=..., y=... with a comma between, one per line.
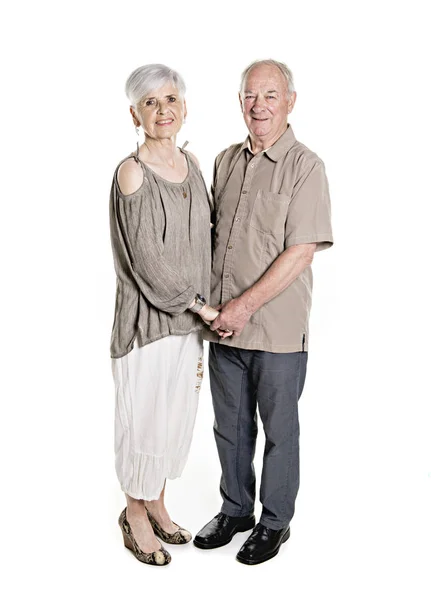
x=208, y=313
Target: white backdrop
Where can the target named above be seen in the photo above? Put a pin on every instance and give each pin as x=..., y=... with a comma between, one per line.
x=362, y=525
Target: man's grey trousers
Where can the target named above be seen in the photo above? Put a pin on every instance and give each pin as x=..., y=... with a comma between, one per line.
x=241, y=381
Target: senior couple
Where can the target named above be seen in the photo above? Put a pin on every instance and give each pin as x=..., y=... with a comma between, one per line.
x=249, y=295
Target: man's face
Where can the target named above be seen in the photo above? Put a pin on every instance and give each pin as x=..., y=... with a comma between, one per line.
x=265, y=103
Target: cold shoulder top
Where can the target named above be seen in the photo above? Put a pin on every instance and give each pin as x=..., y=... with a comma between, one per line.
x=161, y=243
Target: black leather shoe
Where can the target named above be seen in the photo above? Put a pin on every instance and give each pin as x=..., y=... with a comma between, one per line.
x=263, y=544
x=221, y=530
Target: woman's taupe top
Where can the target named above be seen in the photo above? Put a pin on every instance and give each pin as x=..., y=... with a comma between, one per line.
x=161, y=243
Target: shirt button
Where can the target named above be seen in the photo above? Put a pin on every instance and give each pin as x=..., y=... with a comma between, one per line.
x=251, y=166
x=229, y=247
x=244, y=192
x=227, y=275
x=237, y=219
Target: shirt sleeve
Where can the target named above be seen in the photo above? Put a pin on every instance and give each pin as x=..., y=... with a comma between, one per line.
x=142, y=227
x=309, y=214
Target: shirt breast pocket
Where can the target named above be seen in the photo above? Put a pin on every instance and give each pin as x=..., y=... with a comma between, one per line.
x=269, y=212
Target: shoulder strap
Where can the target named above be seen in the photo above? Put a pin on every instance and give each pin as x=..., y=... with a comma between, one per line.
x=136, y=158
x=190, y=160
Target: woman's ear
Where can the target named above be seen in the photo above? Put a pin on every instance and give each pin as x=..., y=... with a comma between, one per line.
x=136, y=121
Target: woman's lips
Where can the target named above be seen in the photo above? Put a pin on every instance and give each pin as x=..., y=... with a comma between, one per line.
x=164, y=122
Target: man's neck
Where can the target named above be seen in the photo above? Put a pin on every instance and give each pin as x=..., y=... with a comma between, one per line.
x=260, y=144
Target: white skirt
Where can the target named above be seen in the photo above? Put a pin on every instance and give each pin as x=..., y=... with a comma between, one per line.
x=156, y=390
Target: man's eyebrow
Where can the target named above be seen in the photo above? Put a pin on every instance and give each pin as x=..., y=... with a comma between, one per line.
x=268, y=92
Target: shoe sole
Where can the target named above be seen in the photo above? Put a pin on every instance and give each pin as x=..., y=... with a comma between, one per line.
x=246, y=561
x=130, y=547
x=203, y=546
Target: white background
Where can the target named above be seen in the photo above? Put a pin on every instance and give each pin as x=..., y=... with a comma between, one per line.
x=362, y=526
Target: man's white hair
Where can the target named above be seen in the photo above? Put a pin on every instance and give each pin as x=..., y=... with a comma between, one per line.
x=275, y=63
x=148, y=78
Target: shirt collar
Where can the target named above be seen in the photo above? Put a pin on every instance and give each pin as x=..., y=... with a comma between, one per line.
x=279, y=148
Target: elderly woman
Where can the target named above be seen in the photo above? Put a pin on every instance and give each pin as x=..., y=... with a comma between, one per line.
x=160, y=233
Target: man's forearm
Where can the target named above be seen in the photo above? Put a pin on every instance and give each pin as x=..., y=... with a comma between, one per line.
x=283, y=271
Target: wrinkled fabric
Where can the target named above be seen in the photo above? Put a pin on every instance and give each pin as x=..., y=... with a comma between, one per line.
x=156, y=398
x=161, y=244
x=264, y=204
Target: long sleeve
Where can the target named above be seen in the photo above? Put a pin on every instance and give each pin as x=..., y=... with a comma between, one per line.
x=142, y=229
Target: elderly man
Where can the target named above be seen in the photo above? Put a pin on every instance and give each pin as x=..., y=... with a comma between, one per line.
x=271, y=213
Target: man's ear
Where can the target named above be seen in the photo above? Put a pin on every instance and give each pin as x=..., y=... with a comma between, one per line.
x=291, y=102
x=240, y=101
x=185, y=109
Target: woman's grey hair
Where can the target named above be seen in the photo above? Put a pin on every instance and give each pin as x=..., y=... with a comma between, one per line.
x=152, y=77
x=275, y=63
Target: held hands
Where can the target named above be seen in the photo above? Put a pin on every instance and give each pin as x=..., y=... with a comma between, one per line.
x=233, y=317
x=208, y=314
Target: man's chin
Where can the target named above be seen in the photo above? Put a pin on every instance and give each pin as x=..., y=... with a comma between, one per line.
x=259, y=131
x=259, y=127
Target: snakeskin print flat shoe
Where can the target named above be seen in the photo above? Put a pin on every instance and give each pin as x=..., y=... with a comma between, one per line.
x=159, y=558
x=181, y=536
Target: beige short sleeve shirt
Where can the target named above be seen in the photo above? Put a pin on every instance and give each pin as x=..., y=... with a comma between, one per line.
x=263, y=204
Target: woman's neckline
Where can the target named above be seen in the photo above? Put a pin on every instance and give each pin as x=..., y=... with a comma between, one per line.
x=179, y=183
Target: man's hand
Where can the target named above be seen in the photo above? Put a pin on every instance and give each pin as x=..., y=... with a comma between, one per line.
x=233, y=317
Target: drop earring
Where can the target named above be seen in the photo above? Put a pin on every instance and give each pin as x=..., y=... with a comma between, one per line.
x=137, y=143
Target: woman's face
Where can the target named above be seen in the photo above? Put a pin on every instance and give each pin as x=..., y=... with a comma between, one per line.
x=161, y=112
